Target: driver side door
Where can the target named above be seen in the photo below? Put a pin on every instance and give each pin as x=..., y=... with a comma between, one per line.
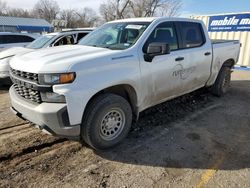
x=163, y=80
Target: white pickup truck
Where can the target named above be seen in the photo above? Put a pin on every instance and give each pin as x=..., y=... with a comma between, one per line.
x=94, y=90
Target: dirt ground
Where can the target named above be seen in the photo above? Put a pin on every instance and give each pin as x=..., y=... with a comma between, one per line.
x=194, y=141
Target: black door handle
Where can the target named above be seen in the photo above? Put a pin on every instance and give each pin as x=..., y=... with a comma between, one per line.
x=207, y=53
x=179, y=59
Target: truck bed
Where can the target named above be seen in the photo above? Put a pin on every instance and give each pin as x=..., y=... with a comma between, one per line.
x=223, y=50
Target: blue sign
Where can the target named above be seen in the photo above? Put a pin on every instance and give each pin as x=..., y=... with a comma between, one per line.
x=232, y=22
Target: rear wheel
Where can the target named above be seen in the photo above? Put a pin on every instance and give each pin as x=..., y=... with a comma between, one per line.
x=107, y=121
x=222, y=83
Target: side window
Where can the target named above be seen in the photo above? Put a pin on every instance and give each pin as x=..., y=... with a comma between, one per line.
x=25, y=38
x=15, y=39
x=80, y=36
x=66, y=40
x=10, y=39
x=192, y=34
x=164, y=32
x=2, y=39
x=129, y=35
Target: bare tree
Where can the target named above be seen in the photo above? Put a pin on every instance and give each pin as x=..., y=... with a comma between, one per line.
x=69, y=15
x=87, y=17
x=172, y=8
x=46, y=9
x=147, y=8
x=3, y=8
x=18, y=12
x=116, y=9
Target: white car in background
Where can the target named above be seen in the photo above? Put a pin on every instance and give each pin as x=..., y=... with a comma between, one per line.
x=9, y=40
x=69, y=37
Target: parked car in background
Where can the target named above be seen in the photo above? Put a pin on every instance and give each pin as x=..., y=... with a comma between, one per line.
x=69, y=37
x=8, y=39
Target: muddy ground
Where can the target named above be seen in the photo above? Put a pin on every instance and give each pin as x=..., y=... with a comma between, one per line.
x=194, y=141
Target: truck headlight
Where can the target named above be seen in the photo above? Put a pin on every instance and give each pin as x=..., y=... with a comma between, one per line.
x=57, y=78
x=52, y=97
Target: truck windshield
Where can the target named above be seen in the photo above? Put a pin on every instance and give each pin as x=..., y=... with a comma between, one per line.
x=115, y=36
x=39, y=42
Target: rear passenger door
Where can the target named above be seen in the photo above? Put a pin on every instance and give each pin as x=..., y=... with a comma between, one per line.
x=195, y=58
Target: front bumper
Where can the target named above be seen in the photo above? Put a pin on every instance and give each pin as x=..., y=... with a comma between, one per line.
x=53, y=117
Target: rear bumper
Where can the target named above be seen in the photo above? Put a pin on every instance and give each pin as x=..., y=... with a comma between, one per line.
x=53, y=117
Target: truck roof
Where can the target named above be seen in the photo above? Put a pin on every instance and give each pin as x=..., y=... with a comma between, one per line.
x=151, y=19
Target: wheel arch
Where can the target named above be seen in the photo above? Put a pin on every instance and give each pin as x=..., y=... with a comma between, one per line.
x=229, y=63
x=124, y=90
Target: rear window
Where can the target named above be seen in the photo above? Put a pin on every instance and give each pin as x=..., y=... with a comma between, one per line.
x=192, y=34
x=6, y=39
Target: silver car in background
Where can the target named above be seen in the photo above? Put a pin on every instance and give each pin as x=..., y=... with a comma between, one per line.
x=8, y=39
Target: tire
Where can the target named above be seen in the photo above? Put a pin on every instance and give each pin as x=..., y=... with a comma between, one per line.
x=106, y=122
x=222, y=82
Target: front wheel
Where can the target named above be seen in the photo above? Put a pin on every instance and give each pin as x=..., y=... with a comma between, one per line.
x=222, y=82
x=107, y=121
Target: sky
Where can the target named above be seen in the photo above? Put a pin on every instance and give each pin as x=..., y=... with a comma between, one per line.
x=190, y=7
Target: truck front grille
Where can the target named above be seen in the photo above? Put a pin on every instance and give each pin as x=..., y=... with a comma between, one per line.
x=33, y=77
x=24, y=83
x=28, y=93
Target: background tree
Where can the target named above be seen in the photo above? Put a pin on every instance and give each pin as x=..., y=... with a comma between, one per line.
x=3, y=8
x=115, y=9
x=87, y=17
x=46, y=9
x=139, y=8
x=171, y=9
x=69, y=15
x=18, y=12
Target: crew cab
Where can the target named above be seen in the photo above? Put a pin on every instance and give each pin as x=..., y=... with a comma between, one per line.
x=93, y=91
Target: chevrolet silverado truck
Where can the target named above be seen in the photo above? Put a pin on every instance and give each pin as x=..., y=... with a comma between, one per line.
x=93, y=91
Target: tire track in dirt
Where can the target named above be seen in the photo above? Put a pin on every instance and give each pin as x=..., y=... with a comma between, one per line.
x=47, y=156
x=14, y=130
x=12, y=126
x=30, y=149
x=18, y=143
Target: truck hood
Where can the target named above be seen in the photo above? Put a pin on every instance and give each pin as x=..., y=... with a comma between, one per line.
x=56, y=59
x=14, y=51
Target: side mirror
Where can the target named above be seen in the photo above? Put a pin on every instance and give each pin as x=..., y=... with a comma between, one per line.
x=155, y=49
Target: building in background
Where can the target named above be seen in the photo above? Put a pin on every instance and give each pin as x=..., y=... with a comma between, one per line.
x=234, y=26
x=24, y=25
